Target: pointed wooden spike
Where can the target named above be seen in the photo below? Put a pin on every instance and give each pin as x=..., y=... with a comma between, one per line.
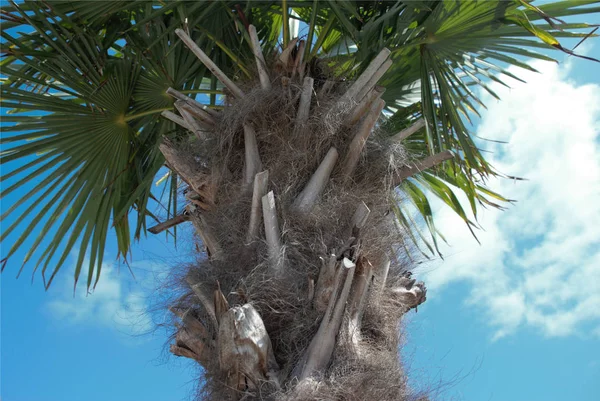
x=317, y=183
x=422, y=165
x=237, y=92
x=359, y=140
x=261, y=181
x=263, y=74
x=405, y=133
x=253, y=165
x=367, y=74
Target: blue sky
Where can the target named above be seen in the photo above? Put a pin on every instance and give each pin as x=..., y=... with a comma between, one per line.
x=518, y=318
x=515, y=319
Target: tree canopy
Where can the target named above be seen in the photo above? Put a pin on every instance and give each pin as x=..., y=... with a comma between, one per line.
x=84, y=85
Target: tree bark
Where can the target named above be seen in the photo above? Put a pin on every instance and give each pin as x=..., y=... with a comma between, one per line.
x=272, y=331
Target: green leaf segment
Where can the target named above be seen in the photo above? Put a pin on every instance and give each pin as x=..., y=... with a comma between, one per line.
x=84, y=84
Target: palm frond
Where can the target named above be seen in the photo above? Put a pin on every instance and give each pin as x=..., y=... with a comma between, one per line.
x=86, y=82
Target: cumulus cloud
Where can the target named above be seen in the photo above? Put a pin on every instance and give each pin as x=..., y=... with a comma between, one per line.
x=539, y=262
x=119, y=302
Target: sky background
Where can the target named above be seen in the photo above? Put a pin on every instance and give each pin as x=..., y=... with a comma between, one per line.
x=515, y=319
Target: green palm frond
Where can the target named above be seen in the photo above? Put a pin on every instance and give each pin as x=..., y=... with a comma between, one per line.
x=86, y=83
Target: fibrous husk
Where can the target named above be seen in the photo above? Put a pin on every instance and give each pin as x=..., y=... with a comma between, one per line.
x=275, y=304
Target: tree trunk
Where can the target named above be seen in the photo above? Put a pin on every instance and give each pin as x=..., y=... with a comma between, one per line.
x=306, y=303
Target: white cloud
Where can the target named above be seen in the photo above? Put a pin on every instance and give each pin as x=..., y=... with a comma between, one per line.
x=539, y=263
x=118, y=302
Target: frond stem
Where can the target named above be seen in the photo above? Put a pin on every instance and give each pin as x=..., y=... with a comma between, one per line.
x=146, y=113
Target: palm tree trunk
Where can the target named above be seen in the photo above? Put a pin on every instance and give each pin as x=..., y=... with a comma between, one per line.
x=297, y=296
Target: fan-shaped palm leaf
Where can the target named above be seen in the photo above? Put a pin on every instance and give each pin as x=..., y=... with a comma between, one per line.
x=86, y=82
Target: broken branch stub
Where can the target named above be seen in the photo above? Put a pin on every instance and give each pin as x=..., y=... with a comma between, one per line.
x=319, y=352
x=188, y=173
x=326, y=274
x=213, y=248
x=263, y=74
x=169, y=115
x=358, y=296
x=340, y=304
x=409, y=294
x=253, y=165
x=221, y=304
x=284, y=57
x=422, y=165
x=205, y=120
x=360, y=138
x=365, y=104
x=304, y=106
x=359, y=219
x=185, y=352
x=192, y=102
x=196, y=127
x=245, y=349
x=366, y=76
x=381, y=274
x=190, y=345
x=205, y=300
x=261, y=181
x=405, y=133
x=165, y=225
x=237, y=92
x=325, y=283
x=305, y=201
x=272, y=233
x=298, y=60
x=311, y=289
x=373, y=81
x=192, y=324
x=326, y=88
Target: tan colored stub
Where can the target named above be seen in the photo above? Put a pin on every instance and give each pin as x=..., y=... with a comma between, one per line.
x=245, y=350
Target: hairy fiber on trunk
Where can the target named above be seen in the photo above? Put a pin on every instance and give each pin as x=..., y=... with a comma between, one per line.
x=302, y=285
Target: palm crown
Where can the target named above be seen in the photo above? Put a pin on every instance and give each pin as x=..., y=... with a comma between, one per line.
x=85, y=84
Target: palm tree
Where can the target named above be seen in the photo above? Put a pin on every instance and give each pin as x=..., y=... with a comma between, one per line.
x=305, y=164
